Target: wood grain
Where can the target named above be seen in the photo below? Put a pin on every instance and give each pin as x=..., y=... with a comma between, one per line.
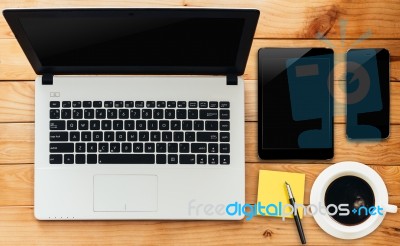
x=15, y=66
x=17, y=226
x=279, y=19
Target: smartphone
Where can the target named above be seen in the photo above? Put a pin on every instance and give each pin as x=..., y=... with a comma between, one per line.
x=295, y=104
x=368, y=94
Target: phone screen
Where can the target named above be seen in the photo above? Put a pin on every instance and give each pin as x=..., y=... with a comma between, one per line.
x=367, y=89
x=295, y=103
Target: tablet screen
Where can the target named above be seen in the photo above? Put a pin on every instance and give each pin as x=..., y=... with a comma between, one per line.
x=295, y=103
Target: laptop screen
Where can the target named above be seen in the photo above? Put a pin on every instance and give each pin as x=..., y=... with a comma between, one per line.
x=138, y=39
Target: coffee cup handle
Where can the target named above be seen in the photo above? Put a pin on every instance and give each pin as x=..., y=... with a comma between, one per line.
x=389, y=208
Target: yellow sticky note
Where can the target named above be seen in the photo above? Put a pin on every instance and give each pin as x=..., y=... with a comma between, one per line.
x=273, y=195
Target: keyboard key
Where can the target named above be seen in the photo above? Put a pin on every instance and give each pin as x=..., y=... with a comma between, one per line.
x=83, y=125
x=138, y=147
x=224, y=114
x=66, y=114
x=187, y=159
x=126, y=159
x=57, y=125
x=203, y=104
x=54, y=114
x=94, y=125
x=167, y=136
x=66, y=104
x=207, y=136
x=97, y=136
x=120, y=136
x=161, y=147
x=161, y=159
x=184, y=147
x=118, y=125
x=132, y=136
x=155, y=136
x=212, y=148
x=141, y=125
x=181, y=113
x=55, y=159
x=171, y=104
x=86, y=136
x=224, y=137
x=224, y=159
x=201, y=159
x=198, y=125
x=181, y=104
x=129, y=104
x=114, y=147
x=213, y=159
x=77, y=113
x=91, y=159
x=91, y=147
x=139, y=104
x=106, y=125
x=112, y=114
x=61, y=147
x=80, y=147
x=160, y=104
x=135, y=113
x=224, y=104
x=213, y=104
x=178, y=136
x=72, y=125
x=175, y=125
x=170, y=114
x=97, y=104
x=89, y=113
x=149, y=147
x=163, y=125
x=123, y=114
x=126, y=147
x=76, y=104
x=187, y=125
x=87, y=104
x=172, y=147
x=59, y=136
x=54, y=104
x=224, y=125
x=172, y=159
x=108, y=104
x=69, y=159
x=100, y=114
x=192, y=104
x=190, y=136
x=74, y=136
x=209, y=114
x=129, y=125
x=146, y=113
x=158, y=114
x=103, y=147
x=224, y=148
x=193, y=113
x=80, y=159
x=152, y=125
x=198, y=148
x=144, y=136
x=118, y=104
x=150, y=104
x=211, y=125
x=109, y=136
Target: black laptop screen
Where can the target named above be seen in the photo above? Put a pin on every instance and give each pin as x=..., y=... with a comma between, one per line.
x=135, y=41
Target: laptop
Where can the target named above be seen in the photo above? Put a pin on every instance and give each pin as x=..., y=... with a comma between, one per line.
x=139, y=113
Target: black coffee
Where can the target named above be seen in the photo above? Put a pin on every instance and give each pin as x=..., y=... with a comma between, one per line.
x=353, y=191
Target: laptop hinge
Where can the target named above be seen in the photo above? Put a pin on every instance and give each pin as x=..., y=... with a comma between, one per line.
x=231, y=79
x=47, y=79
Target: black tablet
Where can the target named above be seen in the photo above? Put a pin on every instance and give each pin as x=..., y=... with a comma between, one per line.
x=295, y=103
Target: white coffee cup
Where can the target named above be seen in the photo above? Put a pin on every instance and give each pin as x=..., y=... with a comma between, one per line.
x=350, y=168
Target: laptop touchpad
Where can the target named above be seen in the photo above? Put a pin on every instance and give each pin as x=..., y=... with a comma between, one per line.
x=133, y=193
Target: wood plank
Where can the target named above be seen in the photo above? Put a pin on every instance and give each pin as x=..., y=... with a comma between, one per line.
x=382, y=153
x=18, y=142
x=17, y=226
x=17, y=181
x=15, y=66
x=279, y=19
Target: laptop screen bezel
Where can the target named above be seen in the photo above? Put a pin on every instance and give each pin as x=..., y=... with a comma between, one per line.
x=250, y=17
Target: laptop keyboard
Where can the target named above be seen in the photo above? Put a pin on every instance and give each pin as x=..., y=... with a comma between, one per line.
x=139, y=132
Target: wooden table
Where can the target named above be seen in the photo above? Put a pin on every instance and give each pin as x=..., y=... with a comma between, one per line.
x=283, y=23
